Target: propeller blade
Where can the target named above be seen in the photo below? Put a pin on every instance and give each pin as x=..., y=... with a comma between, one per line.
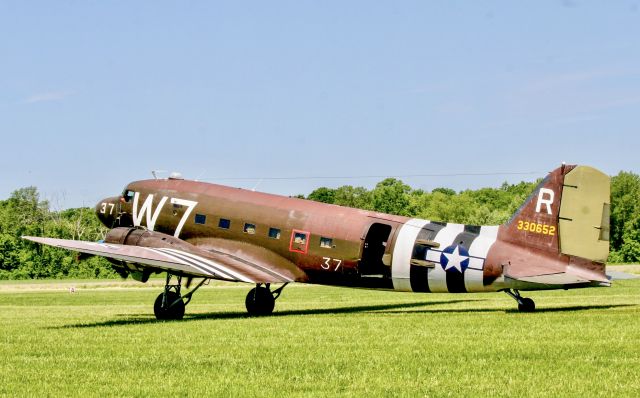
x=124, y=274
x=82, y=256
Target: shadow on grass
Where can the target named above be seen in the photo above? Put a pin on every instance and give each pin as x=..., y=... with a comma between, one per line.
x=578, y=308
x=134, y=319
x=512, y=310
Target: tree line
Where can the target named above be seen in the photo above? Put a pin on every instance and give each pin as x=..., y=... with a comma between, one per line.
x=24, y=213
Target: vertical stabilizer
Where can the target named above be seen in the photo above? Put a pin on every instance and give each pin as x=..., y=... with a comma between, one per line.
x=535, y=224
x=567, y=213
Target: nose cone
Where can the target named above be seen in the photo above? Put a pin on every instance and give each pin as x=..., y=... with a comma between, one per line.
x=107, y=210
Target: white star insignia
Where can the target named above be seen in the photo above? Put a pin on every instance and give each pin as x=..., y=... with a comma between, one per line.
x=455, y=260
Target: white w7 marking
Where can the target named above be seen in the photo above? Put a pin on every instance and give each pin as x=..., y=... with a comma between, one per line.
x=147, y=209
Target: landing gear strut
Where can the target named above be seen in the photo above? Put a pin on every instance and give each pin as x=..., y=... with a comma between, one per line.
x=170, y=304
x=524, y=304
x=261, y=300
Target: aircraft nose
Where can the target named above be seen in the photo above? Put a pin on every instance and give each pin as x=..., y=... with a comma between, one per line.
x=107, y=210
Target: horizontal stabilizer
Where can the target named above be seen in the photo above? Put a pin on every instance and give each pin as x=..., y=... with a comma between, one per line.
x=561, y=278
x=573, y=276
x=619, y=276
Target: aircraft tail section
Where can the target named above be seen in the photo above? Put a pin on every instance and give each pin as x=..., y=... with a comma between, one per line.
x=567, y=213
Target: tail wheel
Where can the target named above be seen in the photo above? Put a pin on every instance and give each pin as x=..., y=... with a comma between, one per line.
x=173, y=307
x=526, y=305
x=260, y=301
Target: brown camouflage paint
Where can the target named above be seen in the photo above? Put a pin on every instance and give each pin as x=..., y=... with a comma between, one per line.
x=516, y=252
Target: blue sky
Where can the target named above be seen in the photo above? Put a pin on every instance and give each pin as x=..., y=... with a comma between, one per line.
x=94, y=94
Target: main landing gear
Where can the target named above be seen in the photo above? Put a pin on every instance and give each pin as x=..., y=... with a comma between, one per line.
x=170, y=304
x=261, y=300
x=524, y=304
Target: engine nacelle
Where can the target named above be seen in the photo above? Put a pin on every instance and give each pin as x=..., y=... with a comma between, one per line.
x=143, y=238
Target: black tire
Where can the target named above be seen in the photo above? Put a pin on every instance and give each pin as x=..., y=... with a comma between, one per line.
x=260, y=301
x=174, y=312
x=526, y=305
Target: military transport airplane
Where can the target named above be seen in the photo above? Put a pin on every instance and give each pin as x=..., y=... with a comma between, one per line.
x=558, y=239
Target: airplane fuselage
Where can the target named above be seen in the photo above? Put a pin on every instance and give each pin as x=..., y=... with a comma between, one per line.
x=331, y=244
x=557, y=239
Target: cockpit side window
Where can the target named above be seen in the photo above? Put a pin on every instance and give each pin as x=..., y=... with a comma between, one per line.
x=128, y=195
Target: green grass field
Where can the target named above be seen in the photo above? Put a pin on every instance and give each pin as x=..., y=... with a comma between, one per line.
x=103, y=340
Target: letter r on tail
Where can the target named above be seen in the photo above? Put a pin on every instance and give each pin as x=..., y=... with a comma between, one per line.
x=545, y=197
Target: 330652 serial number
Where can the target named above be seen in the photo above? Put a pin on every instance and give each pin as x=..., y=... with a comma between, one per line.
x=537, y=228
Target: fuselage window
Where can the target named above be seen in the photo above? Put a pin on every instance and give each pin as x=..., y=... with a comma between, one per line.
x=200, y=219
x=300, y=238
x=249, y=228
x=299, y=241
x=274, y=233
x=224, y=223
x=327, y=243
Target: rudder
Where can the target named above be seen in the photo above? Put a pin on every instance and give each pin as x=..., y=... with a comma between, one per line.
x=584, y=214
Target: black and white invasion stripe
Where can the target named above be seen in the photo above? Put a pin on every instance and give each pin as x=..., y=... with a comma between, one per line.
x=417, y=278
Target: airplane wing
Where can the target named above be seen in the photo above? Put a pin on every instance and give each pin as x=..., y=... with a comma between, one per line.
x=208, y=264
